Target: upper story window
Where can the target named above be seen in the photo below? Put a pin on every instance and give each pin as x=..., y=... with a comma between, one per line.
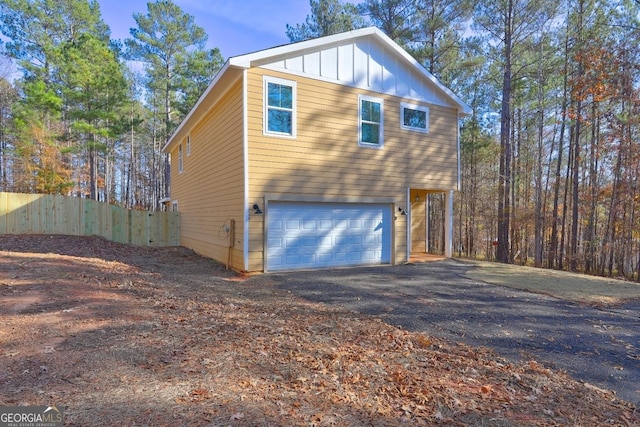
x=371, y=122
x=188, y=145
x=279, y=107
x=180, y=169
x=414, y=117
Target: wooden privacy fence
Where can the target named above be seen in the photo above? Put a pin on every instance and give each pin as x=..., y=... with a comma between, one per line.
x=51, y=214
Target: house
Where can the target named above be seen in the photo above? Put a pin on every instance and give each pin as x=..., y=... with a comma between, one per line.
x=316, y=154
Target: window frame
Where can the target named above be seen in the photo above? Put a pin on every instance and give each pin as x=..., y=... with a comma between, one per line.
x=366, y=144
x=406, y=105
x=266, y=107
x=188, y=145
x=180, y=159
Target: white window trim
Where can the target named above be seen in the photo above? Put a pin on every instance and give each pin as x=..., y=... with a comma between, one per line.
x=180, y=159
x=174, y=206
x=381, y=130
x=188, y=145
x=265, y=107
x=404, y=105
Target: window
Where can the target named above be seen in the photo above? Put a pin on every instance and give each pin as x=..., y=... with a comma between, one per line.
x=174, y=206
x=279, y=107
x=180, y=158
x=188, y=145
x=371, y=119
x=414, y=117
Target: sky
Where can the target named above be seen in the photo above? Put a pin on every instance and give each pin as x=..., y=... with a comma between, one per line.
x=236, y=27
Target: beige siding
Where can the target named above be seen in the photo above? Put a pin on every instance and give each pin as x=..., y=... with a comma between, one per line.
x=210, y=190
x=325, y=162
x=326, y=147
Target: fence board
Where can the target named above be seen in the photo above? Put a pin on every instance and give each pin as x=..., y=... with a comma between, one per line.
x=3, y=208
x=52, y=214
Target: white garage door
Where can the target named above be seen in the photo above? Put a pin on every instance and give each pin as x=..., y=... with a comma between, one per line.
x=317, y=235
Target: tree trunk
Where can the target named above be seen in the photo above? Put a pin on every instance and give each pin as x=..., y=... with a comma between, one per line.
x=539, y=219
x=554, y=257
x=504, y=182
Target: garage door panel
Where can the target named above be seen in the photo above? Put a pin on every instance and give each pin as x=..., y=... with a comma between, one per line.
x=341, y=257
x=341, y=224
x=341, y=240
x=310, y=242
x=325, y=224
x=371, y=255
x=324, y=258
x=274, y=243
x=275, y=262
x=316, y=235
x=292, y=224
x=355, y=240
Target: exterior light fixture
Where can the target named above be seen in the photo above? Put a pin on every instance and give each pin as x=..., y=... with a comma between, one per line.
x=257, y=210
x=402, y=211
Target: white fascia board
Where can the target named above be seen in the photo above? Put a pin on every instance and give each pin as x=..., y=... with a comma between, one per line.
x=269, y=55
x=213, y=83
x=250, y=59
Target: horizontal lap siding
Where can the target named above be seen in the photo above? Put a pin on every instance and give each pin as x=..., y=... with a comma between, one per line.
x=325, y=161
x=325, y=157
x=210, y=191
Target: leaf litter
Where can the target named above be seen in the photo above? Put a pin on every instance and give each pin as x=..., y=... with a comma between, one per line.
x=123, y=335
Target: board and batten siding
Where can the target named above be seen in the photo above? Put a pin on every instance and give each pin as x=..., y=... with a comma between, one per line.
x=325, y=163
x=210, y=189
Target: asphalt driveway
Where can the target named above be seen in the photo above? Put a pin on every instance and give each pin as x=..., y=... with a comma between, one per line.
x=600, y=346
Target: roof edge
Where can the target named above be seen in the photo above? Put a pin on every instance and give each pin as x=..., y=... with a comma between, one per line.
x=213, y=83
x=248, y=60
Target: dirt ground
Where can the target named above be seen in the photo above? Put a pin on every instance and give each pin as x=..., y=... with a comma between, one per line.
x=121, y=335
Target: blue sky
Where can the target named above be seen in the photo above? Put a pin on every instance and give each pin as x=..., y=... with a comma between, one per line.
x=235, y=26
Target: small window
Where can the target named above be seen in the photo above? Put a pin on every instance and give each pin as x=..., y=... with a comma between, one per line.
x=180, y=158
x=279, y=107
x=371, y=121
x=174, y=206
x=414, y=117
x=188, y=145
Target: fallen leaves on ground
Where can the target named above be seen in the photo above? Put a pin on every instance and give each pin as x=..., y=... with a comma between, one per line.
x=121, y=335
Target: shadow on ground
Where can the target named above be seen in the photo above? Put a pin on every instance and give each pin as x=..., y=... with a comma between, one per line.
x=598, y=345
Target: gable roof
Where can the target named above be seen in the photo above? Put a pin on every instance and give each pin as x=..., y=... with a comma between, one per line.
x=365, y=58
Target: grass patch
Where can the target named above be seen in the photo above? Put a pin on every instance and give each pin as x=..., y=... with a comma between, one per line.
x=580, y=288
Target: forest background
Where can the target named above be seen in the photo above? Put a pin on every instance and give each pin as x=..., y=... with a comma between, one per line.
x=550, y=158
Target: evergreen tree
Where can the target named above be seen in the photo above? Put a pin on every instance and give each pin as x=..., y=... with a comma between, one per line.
x=165, y=40
x=35, y=28
x=327, y=17
x=196, y=74
x=510, y=23
x=438, y=28
x=394, y=17
x=95, y=91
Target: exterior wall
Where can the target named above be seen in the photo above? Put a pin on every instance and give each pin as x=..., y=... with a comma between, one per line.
x=325, y=163
x=210, y=190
